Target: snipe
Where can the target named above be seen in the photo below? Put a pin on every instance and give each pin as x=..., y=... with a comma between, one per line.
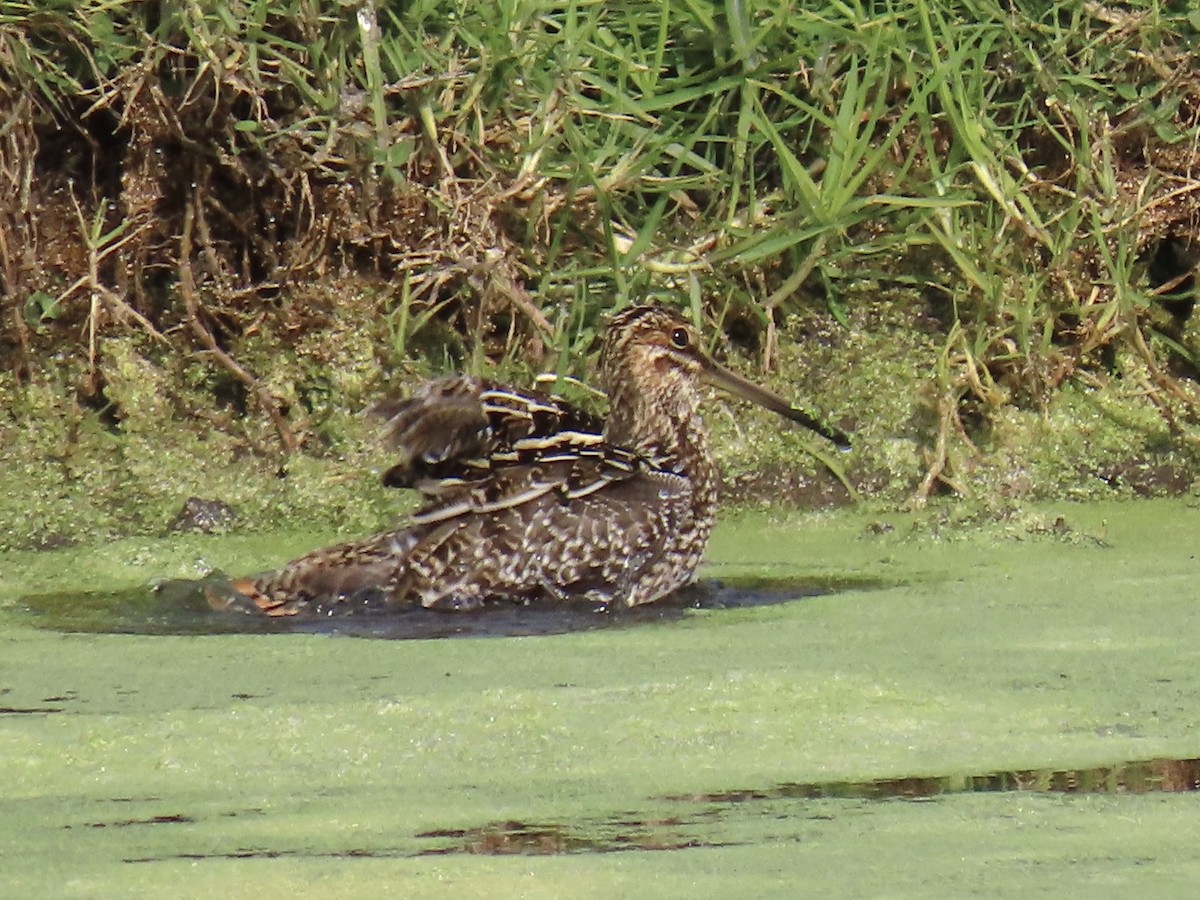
x=526, y=496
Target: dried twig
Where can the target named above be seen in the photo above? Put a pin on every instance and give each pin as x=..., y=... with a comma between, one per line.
x=1160, y=378
x=100, y=247
x=187, y=286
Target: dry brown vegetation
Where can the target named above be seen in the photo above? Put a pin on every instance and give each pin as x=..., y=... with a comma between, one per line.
x=480, y=189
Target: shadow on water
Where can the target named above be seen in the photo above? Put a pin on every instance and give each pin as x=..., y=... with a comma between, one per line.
x=180, y=608
x=698, y=819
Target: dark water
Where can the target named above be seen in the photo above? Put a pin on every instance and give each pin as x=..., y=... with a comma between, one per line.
x=696, y=820
x=1138, y=777
x=180, y=608
x=691, y=827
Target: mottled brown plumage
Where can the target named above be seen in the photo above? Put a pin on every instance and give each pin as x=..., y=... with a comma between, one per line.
x=526, y=496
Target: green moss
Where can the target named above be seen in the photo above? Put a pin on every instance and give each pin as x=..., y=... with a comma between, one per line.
x=240, y=763
x=71, y=473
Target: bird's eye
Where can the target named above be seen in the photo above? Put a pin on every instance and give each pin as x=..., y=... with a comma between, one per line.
x=680, y=338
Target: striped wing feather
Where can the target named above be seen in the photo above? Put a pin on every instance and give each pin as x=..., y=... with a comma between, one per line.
x=471, y=446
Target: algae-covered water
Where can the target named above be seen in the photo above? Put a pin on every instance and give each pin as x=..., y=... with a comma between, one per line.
x=1002, y=704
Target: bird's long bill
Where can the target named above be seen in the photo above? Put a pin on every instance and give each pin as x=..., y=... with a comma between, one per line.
x=719, y=376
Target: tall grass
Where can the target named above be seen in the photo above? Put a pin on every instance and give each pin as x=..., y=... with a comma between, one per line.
x=534, y=163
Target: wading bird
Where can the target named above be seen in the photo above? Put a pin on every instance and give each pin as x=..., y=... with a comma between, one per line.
x=527, y=497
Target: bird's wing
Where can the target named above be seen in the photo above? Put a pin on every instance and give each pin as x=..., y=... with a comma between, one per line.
x=562, y=469
x=458, y=431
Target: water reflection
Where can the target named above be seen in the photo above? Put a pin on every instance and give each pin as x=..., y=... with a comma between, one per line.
x=532, y=839
x=704, y=812
x=1139, y=777
x=693, y=820
x=180, y=608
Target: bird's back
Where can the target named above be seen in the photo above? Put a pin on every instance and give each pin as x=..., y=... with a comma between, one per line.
x=525, y=495
x=459, y=437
